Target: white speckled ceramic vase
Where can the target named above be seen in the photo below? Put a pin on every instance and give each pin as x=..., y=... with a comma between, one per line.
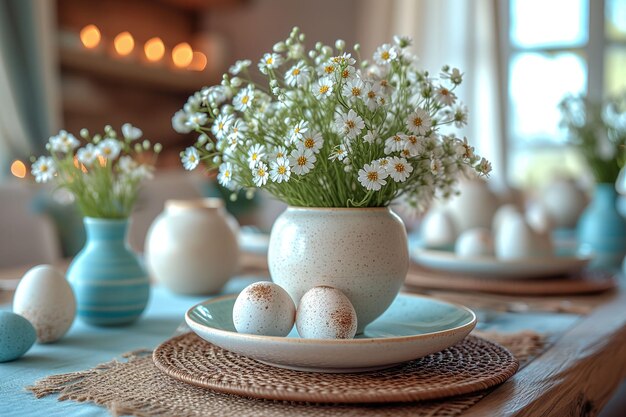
x=361, y=251
x=192, y=248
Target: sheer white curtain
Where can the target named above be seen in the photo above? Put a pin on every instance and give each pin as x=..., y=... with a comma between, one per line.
x=29, y=82
x=462, y=34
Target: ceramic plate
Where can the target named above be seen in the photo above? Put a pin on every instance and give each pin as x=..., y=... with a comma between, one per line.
x=491, y=267
x=412, y=327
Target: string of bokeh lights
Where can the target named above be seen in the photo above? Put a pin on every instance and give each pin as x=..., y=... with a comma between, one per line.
x=154, y=50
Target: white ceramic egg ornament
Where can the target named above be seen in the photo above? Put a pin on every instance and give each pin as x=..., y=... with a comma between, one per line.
x=45, y=299
x=514, y=238
x=264, y=308
x=438, y=230
x=325, y=313
x=502, y=214
x=474, y=206
x=474, y=243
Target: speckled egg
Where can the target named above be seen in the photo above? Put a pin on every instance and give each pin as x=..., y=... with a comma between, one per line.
x=17, y=335
x=326, y=313
x=474, y=243
x=45, y=298
x=264, y=308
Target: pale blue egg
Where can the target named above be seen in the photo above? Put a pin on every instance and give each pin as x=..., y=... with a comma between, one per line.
x=17, y=335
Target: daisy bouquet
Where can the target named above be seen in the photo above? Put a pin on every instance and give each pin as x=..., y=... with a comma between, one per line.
x=103, y=175
x=328, y=129
x=598, y=129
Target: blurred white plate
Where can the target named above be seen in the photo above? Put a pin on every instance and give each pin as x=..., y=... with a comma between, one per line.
x=491, y=267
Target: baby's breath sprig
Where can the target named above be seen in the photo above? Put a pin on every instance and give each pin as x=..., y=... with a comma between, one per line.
x=105, y=174
x=331, y=130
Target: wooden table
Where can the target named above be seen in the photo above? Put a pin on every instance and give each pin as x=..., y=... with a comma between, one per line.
x=583, y=364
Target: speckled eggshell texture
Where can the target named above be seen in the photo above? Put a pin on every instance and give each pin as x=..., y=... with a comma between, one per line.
x=326, y=313
x=45, y=298
x=17, y=335
x=264, y=308
x=362, y=252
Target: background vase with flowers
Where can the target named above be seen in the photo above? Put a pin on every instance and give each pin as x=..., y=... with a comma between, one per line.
x=109, y=281
x=598, y=129
x=338, y=140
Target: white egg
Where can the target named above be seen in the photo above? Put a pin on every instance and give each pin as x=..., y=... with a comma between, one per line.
x=501, y=214
x=539, y=218
x=515, y=239
x=438, y=230
x=474, y=243
x=45, y=298
x=264, y=308
x=325, y=313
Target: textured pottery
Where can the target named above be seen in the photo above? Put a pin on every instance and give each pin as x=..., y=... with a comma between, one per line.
x=361, y=251
x=109, y=282
x=602, y=230
x=191, y=247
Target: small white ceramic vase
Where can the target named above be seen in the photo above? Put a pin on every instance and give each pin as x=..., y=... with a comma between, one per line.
x=361, y=251
x=191, y=247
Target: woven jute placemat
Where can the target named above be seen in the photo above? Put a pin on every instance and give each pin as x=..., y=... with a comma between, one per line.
x=587, y=282
x=472, y=365
x=137, y=387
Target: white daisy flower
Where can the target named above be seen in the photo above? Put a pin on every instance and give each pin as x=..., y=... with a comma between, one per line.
x=225, y=175
x=436, y=167
x=238, y=130
x=243, y=100
x=384, y=88
x=280, y=170
x=381, y=162
x=460, y=116
x=302, y=161
x=215, y=95
x=394, y=143
x=87, y=155
x=414, y=145
x=354, y=89
x=298, y=75
x=372, y=177
x=44, y=169
x=455, y=76
x=127, y=164
x=348, y=73
x=190, y=158
x=196, y=120
x=339, y=153
x=221, y=125
x=131, y=132
x=270, y=61
x=349, y=124
x=260, y=174
x=239, y=66
x=179, y=122
x=385, y=54
x=279, y=152
x=402, y=41
x=323, y=88
x=299, y=130
x=63, y=142
x=370, y=96
x=343, y=59
x=255, y=154
x=399, y=169
x=327, y=69
x=484, y=167
x=109, y=148
x=312, y=141
x=445, y=96
x=232, y=142
x=418, y=122
x=370, y=137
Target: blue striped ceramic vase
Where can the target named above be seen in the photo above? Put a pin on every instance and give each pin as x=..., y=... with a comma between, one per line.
x=109, y=282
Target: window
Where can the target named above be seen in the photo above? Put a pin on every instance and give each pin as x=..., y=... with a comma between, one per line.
x=552, y=48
